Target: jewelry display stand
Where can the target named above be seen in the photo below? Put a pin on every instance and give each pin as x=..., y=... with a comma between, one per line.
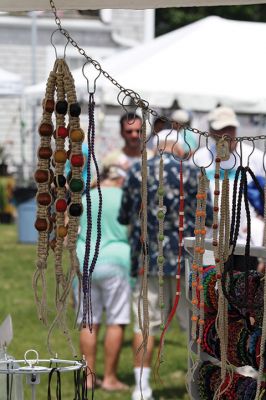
x=208, y=259
x=33, y=370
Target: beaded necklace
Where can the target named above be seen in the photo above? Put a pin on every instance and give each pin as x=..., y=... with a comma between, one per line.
x=87, y=271
x=178, y=275
x=61, y=82
x=263, y=334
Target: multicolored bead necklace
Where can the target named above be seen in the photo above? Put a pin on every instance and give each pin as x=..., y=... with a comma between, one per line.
x=61, y=82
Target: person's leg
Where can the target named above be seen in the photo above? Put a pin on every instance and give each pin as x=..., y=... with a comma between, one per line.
x=116, y=295
x=112, y=347
x=88, y=348
x=88, y=340
x=155, y=321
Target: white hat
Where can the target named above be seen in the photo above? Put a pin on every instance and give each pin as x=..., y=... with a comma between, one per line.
x=221, y=117
x=181, y=116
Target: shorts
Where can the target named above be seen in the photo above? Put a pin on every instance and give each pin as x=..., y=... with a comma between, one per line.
x=112, y=295
x=153, y=302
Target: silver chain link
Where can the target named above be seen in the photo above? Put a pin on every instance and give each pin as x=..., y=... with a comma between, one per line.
x=135, y=97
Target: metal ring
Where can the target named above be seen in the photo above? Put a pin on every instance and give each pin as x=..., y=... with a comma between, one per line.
x=193, y=155
x=51, y=40
x=87, y=79
x=31, y=362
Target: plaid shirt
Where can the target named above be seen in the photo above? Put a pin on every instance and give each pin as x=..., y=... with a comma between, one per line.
x=130, y=208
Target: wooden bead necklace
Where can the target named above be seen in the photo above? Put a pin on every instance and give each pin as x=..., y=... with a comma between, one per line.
x=61, y=82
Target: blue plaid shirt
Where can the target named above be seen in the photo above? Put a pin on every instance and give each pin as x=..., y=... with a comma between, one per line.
x=130, y=208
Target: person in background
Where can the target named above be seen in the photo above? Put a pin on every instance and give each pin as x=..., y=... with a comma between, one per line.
x=223, y=121
x=129, y=215
x=130, y=129
x=183, y=117
x=110, y=288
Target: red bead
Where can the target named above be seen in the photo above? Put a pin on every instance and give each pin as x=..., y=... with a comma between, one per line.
x=217, y=159
x=217, y=192
x=61, y=205
x=215, y=226
x=215, y=208
x=214, y=243
x=218, y=276
x=62, y=132
x=217, y=176
x=217, y=260
x=77, y=160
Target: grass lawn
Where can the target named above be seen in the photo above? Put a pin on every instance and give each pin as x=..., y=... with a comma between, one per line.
x=17, y=263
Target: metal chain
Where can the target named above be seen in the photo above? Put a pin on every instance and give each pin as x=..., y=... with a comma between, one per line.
x=135, y=97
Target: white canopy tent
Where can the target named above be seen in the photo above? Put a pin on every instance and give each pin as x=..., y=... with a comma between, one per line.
x=10, y=84
x=27, y=5
x=207, y=62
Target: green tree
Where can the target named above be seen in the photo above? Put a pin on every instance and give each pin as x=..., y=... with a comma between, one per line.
x=168, y=19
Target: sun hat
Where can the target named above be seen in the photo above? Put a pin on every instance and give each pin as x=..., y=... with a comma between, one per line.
x=221, y=117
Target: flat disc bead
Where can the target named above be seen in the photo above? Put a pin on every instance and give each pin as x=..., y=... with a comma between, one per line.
x=61, y=205
x=61, y=107
x=77, y=135
x=75, y=209
x=45, y=153
x=74, y=110
x=41, y=224
x=76, y=185
x=77, y=160
x=61, y=231
x=42, y=176
x=62, y=132
x=48, y=105
x=46, y=130
x=44, y=199
x=60, y=156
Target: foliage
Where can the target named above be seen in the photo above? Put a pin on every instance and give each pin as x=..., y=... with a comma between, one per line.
x=17, y=266
x=168, y=19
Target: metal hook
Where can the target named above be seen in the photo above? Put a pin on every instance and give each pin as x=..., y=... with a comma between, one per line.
x=51, y=40
x=263, y=159
x=212, y=156
x=128, y=93
x=229, y=138
x=253, y=149
x=239, y=154
x=97, y=66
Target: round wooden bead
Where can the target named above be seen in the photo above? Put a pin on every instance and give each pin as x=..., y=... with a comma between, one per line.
x=46, y=130
x=217, y=176
x=77, y=160
x=74, y=110
x=215, y=226
x=45, y=153
x=76, y=185
x=61, y=107
x=161, y=238
x=75, y=209
x=62, y=132
x=60, y=156
x=61, y=205
x=215, y=209
x=41, y=175
x=48, y=105
x=52, y=244
x=44, y=199
x=160, y=214
x=77, y=135
x=62, y=231
x=41, y=224
x=217, y=159
x=59, y=180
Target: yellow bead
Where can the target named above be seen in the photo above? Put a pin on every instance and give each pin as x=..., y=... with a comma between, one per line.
x=61, y=231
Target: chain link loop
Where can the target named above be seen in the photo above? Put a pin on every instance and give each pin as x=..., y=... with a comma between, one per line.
x=135, y=97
